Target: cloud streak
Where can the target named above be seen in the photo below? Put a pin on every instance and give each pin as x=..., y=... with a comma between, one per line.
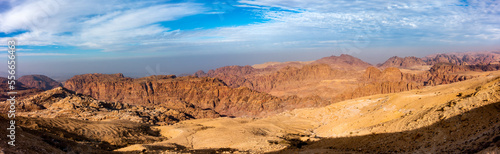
x=346, y=26
x=91, y=24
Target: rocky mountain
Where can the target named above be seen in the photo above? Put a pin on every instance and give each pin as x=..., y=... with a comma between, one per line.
x=279, y=65
x=467, y=58
x=39, y=82
x=192, y=95
x=294, y=78
x=459, y=118
x=391, y=80
x=249, y=91
x=398, y=62
x=329, y=105
x=463, y=113
x=61, y=102
x=20, y=88
x=233, y=76
x=343, y=62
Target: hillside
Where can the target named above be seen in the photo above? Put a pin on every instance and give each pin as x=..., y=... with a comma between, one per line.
x=61, y=102
x=459, y=117
x=39, y=82
x=184, y=94
x=22, y=90
x=247, y=91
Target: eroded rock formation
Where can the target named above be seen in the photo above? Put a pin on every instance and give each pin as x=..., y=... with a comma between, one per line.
x=39, y=82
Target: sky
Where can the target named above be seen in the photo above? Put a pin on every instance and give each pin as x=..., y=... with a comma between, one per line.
x=61, y=38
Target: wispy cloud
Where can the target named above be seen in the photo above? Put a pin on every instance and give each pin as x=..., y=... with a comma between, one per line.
x=359, y=24
x=135, y=26
x=93, y=24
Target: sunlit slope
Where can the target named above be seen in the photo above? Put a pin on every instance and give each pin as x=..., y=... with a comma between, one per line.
x=378, y=114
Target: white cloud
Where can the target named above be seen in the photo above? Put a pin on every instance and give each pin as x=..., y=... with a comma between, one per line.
x=115, y=26
x=361, y=23
x=92, y=24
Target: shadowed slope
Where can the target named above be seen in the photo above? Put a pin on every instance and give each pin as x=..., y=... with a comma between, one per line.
x=473, y=131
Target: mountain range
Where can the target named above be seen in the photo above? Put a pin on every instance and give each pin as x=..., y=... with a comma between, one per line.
x=289, y=106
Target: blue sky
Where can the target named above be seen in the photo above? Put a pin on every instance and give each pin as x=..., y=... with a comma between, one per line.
x=135, y=35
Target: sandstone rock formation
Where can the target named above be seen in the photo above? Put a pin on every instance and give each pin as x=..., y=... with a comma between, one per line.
x=427, y=111
x=322, y=77
x=21, y=89
x=390, y=80
x=467, y=58
x=343, y=62
x=39, y=82
x=406, y=62
x=241, y=90
x=191, y=95
x=393, y=80
x=62, y=103
x=66, y=135
x=460, y=117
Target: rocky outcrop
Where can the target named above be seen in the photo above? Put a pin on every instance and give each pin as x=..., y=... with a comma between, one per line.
x=284, y=80
x=390, y=80
x=63, y=103
x=343, y=62
x=266, y=78
x=22, y=90
x=292, y=76
x=445, y=73
x=467, y=58
x=181, y=93
x=233, y=76
x=242, y=90
x=406, y=62
x=39, y=82
x=489, y=67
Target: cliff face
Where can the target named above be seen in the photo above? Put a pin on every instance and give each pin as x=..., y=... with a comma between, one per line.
x=293, y=78
x=444, y=73
x=246, y=91
x=39, y=82
x=181, y=93
x=391, y=80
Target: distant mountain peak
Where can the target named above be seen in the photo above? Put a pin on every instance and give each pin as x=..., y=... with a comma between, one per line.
x=39, y=82
x=344, y=61
x=406, y=62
